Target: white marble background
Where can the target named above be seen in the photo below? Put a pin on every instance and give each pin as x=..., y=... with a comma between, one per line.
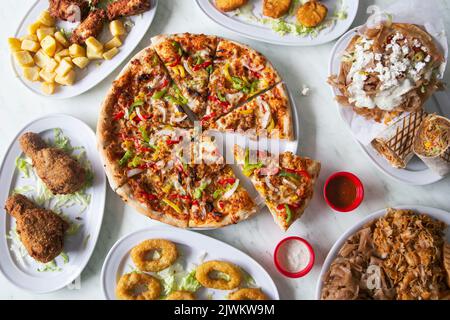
x=324, y=137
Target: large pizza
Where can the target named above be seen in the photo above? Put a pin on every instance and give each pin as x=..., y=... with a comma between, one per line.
x=155, y=157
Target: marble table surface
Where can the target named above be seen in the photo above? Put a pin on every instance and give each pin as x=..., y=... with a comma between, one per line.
x=323, y=137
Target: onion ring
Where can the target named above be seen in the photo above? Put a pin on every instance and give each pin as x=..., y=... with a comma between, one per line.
x=247, y=294
x=203, y=275
x=130, y=285
x=167, y=250
x=181, y=295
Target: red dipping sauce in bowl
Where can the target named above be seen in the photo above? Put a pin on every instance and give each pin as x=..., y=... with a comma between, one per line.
x=343, y=192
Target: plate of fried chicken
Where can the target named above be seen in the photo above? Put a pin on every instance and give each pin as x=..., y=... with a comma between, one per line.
x=63, y=48
x=53, y=196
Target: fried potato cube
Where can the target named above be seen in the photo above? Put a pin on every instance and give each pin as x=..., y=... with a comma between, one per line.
x=311, y=14
x=113, y=43
x=31, y=73
x=44, y=31
x=81, y=62
x=51, y=65
x=48, y=44
x=30, y=45
x=67, y=80
x=46, y=19
x=32, y=28
x=48, y=88
x=32, y=37
x=276, y=8
x=14, y=44
x=229, y=5
x=59, y=36
x=24, y=58
x=108, y=55
x=116, y=28
x=62, y=54
x=94, y=55
x=94, y=45
x=47, y=76
x=64, y=68
x=41, y=58
x=76, y=51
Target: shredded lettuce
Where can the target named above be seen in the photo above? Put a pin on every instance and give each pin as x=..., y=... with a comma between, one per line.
x=189, y=282
x=65, y=257
x=49, y=267
x=22, y=165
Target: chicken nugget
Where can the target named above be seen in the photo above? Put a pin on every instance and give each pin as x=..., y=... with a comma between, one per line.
x=230, y=5
x=126, y=8
x=312, y=13
x=69, y=10
x=276, y=8
x=90, y=27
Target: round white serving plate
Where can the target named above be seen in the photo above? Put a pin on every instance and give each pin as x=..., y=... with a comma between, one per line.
x=416, y=173
x=79, y=247
x=95, y=72
x=437, y=214
x=264, y=33
x=193, y=247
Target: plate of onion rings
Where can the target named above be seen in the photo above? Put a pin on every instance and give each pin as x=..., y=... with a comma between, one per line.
x=163, y=263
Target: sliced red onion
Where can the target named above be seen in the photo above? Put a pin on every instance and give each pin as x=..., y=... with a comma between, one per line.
x=233, y=189
x=269, y=171
x=179, y=119
x=254, y=69
x=187, y=67
x=138, y=113
x=133, y=172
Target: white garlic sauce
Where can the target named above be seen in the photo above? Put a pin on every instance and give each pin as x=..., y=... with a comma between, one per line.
x=294, y=256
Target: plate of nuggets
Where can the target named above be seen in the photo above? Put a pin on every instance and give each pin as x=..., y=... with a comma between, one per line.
x=284, y=22
x=63, y=48
x=53, y=195
x=168, y=264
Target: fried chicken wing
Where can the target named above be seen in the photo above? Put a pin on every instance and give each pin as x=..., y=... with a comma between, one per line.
x=276, y=8
x=70, y=10
x=229, y=5
x=41, y=231
x=61, y=173
x=90, y=27
x=126, y=8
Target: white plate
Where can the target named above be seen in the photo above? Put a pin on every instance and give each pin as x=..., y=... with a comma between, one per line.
x=260, y=32
x=79, y=247
x=193, y=246
x=94, y=73
x=432, y=212
x=416, y=173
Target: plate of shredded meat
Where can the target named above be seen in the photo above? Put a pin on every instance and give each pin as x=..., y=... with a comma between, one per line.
x=393, y=254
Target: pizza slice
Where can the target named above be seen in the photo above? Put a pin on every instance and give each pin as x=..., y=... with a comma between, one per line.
x=286, y=182
x=189, y=59
x=268, y=115
x=218, y=199
x=239, y=73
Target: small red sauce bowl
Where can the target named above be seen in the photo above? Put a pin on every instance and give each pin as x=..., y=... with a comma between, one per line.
x=359, y=191
x=300, y=273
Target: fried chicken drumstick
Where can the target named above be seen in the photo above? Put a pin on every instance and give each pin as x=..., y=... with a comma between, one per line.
x=90, y=27
x=60, y=173
x=41, y=231
x=126, y=8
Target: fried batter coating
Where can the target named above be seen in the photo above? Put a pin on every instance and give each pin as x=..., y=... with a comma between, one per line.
x=312, y=13
x=67, y=9
x=247, y=294
x=90, y=27
x=126, y=8
x=181, y=295
x=207, y=275
x=276, y=8
x=166, y=250
x=138, y=286
x=230, y=5
x=41, y=231
x=60, y=173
